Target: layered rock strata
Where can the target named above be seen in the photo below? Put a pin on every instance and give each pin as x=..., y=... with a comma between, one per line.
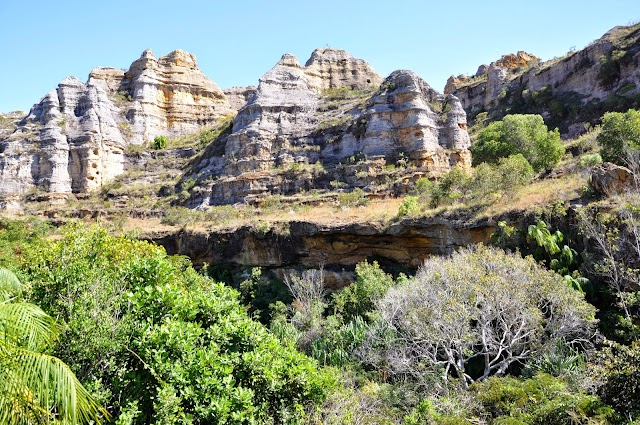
x=337, y=248
x=569, y=91
x=291, y=120
x=74, y=139
x=70, y=141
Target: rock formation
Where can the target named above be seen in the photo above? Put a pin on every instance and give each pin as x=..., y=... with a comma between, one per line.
x=609, y=179
x=484, y=88
x=570, y=91
x=73, y=140
x=337, y=247
x=239, y=96
x=333, y=68
x=70, y=141
x=327, y=113
x=289, y=120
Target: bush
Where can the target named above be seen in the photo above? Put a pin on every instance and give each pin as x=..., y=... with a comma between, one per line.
x=409, y=206
x=355, y=198
x=476, y=314
x=162, y=343
x=620, y=134
x=622, y=379
x=589, y=160
x=358, y=299
x=451, y=187
x=160, y=142
x=486, y=180
x=524, y=134
x=543, y=400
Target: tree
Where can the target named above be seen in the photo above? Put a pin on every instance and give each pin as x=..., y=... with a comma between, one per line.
x=162, y=343
x=620, y=136
x=476, y=314
x=524, y=134
x=34, y=386
x=614, y=257
x=358, y=299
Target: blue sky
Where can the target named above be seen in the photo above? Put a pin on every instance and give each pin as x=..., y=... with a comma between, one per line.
x=238, y=41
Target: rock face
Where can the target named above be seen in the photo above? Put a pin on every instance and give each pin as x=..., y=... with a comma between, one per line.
x=609, y=179
x=74, y=139
x=337, y=247
x=70, y=141
x=171, y=95
x=238, y=96
x=484, y=88
x=408, y=116
x=332, y=121
x=575, y=89
x=332, y=68
x=292, y=119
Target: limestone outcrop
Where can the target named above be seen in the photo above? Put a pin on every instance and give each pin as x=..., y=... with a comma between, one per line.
x=70, y=141
x=568, y=92
x=293, y=120
x=333, y=68
x=171, y=95
x=75, y=138
x=485, y=87
x=239, y=96
x=332, y=121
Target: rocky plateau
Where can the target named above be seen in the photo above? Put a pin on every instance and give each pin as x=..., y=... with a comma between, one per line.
x=571, y=92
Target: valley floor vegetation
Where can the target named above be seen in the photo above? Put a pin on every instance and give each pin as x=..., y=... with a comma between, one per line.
x=541, y=326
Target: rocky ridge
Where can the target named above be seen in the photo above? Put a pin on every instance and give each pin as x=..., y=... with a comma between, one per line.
x=325, y=114
x=76, y=137
x=80, y=136
x=569, y=92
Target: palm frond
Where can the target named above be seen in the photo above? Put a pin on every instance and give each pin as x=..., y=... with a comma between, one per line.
x=9, y=283
x=43, y=387
x=26, y=325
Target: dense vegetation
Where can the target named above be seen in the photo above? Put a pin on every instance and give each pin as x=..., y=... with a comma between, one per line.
x=541, y=328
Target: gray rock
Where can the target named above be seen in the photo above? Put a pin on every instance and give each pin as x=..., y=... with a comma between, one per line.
x=238, y=96
x=609, y=179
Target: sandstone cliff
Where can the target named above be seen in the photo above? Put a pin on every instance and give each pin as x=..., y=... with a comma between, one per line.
x=327, y=113
x=75, y=138
x=333, y=122
x=569, y=91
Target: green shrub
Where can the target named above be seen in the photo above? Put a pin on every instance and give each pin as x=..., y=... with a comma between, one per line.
x=589, y=160
x=451, y=187
x=524, y=134
x=355, y=198
x=358, y=299
x=409, y=206
x=542, y=400
x=620, y=134
x=163, y=343
x=423, y=187
x=622, y=379
x=160, y=142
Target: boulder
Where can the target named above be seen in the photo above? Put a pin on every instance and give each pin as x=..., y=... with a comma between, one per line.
x=609, y=179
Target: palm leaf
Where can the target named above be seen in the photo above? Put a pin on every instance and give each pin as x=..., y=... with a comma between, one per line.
x=26, y=325
x=43, y=386
x=9, y=283
x=36, y=387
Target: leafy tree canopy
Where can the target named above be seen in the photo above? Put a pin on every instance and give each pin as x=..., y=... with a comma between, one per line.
x=161, y=343
x=620, y=134
x=523, y=134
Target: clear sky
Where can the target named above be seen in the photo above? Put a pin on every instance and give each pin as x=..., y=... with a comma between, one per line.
x=238, y=41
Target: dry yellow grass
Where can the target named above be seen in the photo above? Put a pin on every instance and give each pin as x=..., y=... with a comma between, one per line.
x=381, y=210
x=541, y=193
